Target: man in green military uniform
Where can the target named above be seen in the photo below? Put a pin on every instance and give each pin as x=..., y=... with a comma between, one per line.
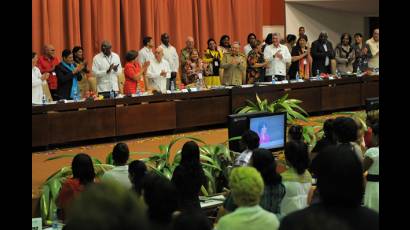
x=234, y=65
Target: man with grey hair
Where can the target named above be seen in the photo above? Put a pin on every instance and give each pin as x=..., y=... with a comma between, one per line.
x=277, y=56
x=234, y=65
x=158, y=72
x=373, y=44
x=106, y=68
x=322, y=54
x=185, y=52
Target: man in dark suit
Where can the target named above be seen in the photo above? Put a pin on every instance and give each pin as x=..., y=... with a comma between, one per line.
x=322, y=54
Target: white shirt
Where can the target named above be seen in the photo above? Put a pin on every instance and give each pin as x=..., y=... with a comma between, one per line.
x=36, y=86
x=120, y=175
x=327, y=58
x=247, y=49
x=145, y=54
x=295, y=197
x=171, y=55
x=101, y=63
x=276, y=66
x=373, y=153
x=155, y=80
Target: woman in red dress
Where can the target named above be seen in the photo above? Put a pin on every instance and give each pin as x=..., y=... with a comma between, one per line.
x=134, y=73
x=83, y=174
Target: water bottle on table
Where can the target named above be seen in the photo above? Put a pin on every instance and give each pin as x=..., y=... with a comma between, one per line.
x=43, y=99
x=273, y=80
x=112, y=94
x=297, y=76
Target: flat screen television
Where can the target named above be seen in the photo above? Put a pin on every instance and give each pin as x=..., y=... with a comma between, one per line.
x=271, y=128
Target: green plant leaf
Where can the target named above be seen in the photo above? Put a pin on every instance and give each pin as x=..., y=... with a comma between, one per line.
x=108, y=159
x=206, y=158
x=294, y=101
x=298, y=108
x=203, y=190
x=211, y=166
x=251, y=104
x=245, y=109
x=45, y=202
x=167, y=173
x=258, y=100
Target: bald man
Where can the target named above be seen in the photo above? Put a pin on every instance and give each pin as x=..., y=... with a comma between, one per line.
x=185, y=52
x=106, y=69
x=322, y=53
x=234, y=65
x=373, y=44
x=158, y=72
x=47, y=63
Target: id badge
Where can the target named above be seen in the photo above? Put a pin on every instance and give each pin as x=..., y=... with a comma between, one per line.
x=200, y=75
x=304, y=62
x=216, y=63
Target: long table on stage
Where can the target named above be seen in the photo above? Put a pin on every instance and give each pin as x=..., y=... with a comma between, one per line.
x=79, y=121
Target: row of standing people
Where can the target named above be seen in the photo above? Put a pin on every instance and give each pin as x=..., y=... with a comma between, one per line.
x=149, y=69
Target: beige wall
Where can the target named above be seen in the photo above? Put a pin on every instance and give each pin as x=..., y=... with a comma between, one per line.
x=316, y=19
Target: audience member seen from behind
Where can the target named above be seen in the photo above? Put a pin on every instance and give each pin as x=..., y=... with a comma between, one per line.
x=340, y=182
x=296, y=178
x=161, y=197
x=255, y=71
x=195, y=220
x=295, y=133
x=345, y=55
x=327, y=139
x=83, y=175
x=136, y=173
x=371, y=165
x=234, y=65
x=188, y=177
x=251, y=38
x=372, y=118
x=119, y=173
x=37, y=81
x=109, y=207
x=250, y=142
x=274, y=191
x=322, y=54
x=247, y=186
x=301, y=60
x=47, y=63
x=346, y=130
x=134, y=73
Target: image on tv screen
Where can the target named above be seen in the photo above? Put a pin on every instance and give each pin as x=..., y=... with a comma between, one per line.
x=270, y=130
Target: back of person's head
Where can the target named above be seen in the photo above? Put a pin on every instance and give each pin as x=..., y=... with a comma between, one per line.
x=290, y=38
x=269, y=39
x=120, y=154
x=106, y=206
x=83, y=168
x=319, y=220
x=161, y=197
x=137, y=171
x=375, y=136
x=339, y=176
x=146, y=40
x=246, y=185
x=191, y=220
x=250, y=139
x=295, y=132
x=264, y=161
x=297, y=155
x=345, y=129
x=190, y=154
x=131, y=55
x=328, y=130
